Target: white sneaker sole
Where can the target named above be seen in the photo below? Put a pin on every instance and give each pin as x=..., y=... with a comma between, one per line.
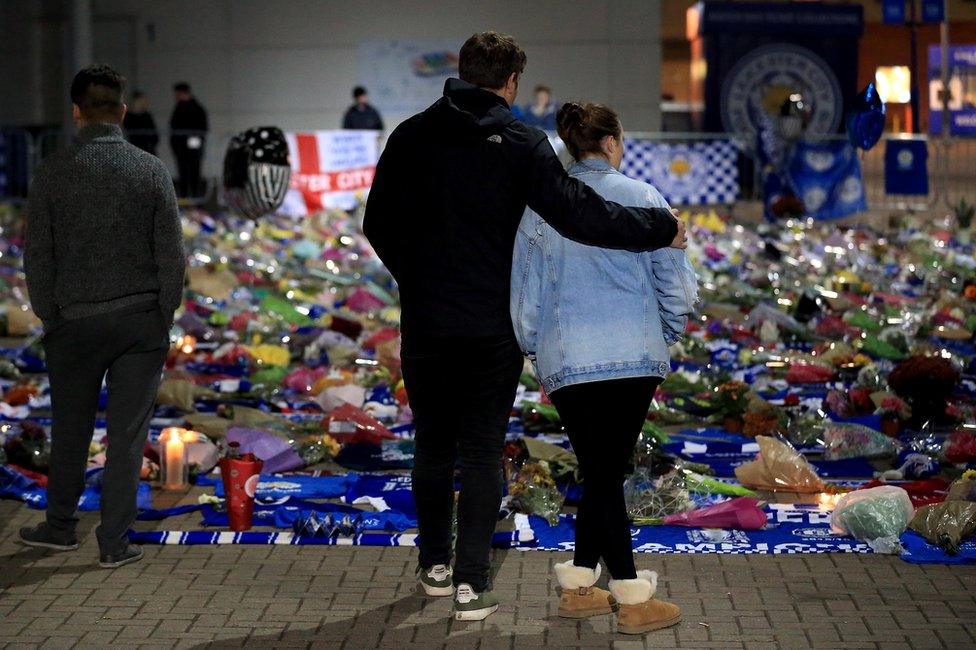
x=475, y=614
x=115, y=565
x=437, y=591
x=50, y=545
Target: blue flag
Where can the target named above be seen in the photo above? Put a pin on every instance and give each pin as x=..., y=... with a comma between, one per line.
x=827, y=178
x=906, y=168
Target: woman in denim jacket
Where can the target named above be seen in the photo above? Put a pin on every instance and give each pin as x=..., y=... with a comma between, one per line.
x=597, y=324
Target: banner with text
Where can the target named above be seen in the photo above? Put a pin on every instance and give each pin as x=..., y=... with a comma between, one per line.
x=330, y=170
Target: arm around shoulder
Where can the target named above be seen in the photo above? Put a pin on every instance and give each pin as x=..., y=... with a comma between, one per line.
x=577, y=212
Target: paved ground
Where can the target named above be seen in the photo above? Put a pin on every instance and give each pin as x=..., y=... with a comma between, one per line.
x=330, y=597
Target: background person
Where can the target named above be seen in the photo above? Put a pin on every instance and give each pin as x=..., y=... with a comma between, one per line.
x=362, y=114
x=541, y=113
x=139, y=125
x=443, y=211
x=598, y=323
x=104, y=264
x=188, y=133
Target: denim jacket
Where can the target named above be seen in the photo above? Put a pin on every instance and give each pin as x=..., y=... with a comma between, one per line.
x=585, y=314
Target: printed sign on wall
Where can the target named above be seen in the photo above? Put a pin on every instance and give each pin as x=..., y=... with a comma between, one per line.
x=405, y=77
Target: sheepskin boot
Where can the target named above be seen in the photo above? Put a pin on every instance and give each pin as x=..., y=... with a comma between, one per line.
x=580, y=599
x=639, y=611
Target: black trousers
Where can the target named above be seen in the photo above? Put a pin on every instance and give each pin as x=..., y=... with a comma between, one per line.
x=461, y=420
x=128, y=347
x=188, y=162
x=603, y=420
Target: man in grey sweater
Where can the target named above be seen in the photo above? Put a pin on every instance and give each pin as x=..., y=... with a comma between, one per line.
x=104, y=261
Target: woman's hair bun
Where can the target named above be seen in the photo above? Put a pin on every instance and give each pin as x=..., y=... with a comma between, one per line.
x=570, y=116
x=582, y=127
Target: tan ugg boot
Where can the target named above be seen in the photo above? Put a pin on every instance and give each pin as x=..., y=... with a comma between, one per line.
x=580, y=599
x=639, y=611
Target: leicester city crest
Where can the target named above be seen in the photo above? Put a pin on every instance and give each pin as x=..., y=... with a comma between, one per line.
x=765, y=78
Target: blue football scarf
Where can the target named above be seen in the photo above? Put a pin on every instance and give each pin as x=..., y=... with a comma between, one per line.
x=276, y=487
x=791, y=530
x=919, y=551
x=500, y=540
x=14, y=485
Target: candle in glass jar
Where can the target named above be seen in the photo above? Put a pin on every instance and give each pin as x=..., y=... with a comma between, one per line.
x=174, y=459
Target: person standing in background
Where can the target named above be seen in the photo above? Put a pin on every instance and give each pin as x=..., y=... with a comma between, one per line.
x=188, y=132
x=104, y=263
x=139, y=125
x=542, y=112
x=362, y=115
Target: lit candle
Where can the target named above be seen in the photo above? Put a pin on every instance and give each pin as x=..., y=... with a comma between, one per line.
x=186, y=344
x=174, y=467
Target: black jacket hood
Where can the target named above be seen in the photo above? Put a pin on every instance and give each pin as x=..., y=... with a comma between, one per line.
x=468, y=108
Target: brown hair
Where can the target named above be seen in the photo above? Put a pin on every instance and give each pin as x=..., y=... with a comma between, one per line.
x=488, y=59
x=583, y=126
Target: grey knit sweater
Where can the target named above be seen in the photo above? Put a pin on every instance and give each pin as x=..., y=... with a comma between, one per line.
x=103, y=230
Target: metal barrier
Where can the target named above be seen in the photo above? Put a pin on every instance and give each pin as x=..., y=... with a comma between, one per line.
x=951, y=165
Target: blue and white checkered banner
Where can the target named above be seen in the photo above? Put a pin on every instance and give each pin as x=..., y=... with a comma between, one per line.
x=699, y=173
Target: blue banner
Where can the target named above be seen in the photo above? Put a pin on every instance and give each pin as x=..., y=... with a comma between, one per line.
x=962, y=87
x=906, y=167
x=893, y=12
x=827, y=178
x=933, y=11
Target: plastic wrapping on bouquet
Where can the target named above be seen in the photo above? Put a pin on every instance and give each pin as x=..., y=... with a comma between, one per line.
x=240, y=477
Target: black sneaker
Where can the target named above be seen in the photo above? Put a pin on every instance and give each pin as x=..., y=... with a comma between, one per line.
x=128, y=555
x=43, y=536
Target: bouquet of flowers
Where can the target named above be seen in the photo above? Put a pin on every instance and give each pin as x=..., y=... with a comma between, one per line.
x=764, y=419
x=852, y=403
x=649, y=500
x=731, y=399
x=890, y=406
x=853, y=441
x=533, y=491
x=926, y=382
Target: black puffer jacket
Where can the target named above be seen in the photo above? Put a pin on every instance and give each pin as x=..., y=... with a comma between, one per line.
x=447, y=199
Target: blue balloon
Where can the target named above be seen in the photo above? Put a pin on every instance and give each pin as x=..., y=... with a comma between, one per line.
x=866, y=119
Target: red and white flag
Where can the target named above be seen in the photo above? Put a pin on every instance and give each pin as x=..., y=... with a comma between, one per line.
x=330, y=170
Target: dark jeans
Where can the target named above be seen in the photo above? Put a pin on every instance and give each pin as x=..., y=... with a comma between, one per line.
x=188, y=162
x=603, y=420
x=129, y=347
x=461, y=419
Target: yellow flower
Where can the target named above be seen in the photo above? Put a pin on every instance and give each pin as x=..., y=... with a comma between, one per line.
x=273, y=355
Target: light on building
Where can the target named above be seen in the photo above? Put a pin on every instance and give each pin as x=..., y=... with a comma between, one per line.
x=894, y=84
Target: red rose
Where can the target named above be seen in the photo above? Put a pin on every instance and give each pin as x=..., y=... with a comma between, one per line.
x=791, y=400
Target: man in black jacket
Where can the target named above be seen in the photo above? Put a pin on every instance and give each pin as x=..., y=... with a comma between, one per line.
x=139, y=125
x=188, y=132
x=362, y=114
x=443, y=212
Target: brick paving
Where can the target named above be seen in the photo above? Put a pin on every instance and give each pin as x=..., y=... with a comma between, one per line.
x=331, y=597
